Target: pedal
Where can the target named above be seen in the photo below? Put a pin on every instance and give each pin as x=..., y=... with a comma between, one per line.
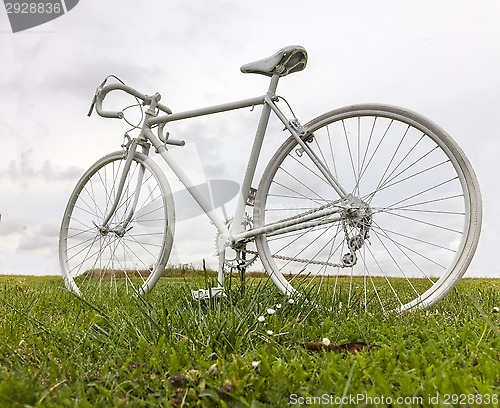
x=201, y=294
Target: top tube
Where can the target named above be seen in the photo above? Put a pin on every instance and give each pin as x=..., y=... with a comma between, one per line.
x=259, y=100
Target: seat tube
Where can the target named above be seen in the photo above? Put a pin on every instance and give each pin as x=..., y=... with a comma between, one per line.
x=236, y=226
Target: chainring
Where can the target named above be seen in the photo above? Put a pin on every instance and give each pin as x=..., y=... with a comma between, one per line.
x=237, y=256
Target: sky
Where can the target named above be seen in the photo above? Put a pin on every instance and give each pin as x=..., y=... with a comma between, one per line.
x=440, y=58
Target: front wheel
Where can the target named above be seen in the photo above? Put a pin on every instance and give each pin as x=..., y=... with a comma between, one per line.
x=127, y=254
x=404, y=234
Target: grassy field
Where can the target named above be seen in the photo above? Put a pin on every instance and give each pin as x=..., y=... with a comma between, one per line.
x=168, y=350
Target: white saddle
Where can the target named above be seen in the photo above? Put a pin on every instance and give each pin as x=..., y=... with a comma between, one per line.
x=287, y=60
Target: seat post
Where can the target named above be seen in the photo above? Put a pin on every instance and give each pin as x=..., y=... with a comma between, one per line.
x=273, y=85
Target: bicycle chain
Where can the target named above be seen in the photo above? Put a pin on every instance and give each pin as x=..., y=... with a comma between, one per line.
x=348, y=260
x=322, y=207
x=310, y=261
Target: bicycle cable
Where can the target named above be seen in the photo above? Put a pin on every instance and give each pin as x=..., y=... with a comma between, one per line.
x=139, y=104
x=289, y=107
x=138, y=126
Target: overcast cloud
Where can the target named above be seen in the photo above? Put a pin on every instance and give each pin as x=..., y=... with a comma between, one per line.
x=439, y=58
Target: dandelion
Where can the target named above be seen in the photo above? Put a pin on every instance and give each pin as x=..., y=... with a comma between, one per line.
x=271, y=311
x=496, y=309
x=261, y=319
x=326, y=341
x=270, y=332
x=255, y=364
x=291, y=301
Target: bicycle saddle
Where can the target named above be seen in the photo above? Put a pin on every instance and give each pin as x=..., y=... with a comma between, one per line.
x=287, y=60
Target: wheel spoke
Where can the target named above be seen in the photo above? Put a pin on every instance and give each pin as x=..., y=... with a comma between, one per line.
x=131, y=249
x=399, y=234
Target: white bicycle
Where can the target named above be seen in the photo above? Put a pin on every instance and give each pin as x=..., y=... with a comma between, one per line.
x=370, y=205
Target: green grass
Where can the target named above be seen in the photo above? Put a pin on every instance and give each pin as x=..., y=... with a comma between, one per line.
x=168, y=350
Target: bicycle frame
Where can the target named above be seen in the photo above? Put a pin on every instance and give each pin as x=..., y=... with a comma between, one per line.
x=235, y=233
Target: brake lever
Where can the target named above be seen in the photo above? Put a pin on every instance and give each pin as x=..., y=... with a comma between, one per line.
x=94, y=99
x=92, y=105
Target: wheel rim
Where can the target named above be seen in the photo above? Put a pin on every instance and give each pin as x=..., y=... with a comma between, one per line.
x=130, y=254
x=413, y=178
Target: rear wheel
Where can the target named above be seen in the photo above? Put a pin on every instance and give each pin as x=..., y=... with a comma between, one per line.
x=407, y=230
x=130, y=252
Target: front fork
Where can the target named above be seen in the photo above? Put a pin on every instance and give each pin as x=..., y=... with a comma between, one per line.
x=121, y=228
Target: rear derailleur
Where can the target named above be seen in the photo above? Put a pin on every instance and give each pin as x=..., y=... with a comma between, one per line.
x=358, y=217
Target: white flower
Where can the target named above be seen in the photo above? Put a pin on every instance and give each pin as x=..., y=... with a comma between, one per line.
x=496, y=309
x=255, y=364
x=212, y=369
x=271, y=311
x=270, y=332
x=261, y=319
x=326, y=341
x=278, y=306
x=291, y=301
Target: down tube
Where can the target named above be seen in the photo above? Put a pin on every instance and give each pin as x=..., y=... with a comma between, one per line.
x=179, y=172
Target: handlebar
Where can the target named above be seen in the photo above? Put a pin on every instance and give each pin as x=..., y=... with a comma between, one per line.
x=104, y=90
x=152, y=101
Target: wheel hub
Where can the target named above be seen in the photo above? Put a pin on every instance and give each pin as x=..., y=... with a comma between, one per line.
x=118, y=230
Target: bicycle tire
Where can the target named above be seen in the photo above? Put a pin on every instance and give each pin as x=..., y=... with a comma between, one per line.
x=98, y=262
x=420, y=198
